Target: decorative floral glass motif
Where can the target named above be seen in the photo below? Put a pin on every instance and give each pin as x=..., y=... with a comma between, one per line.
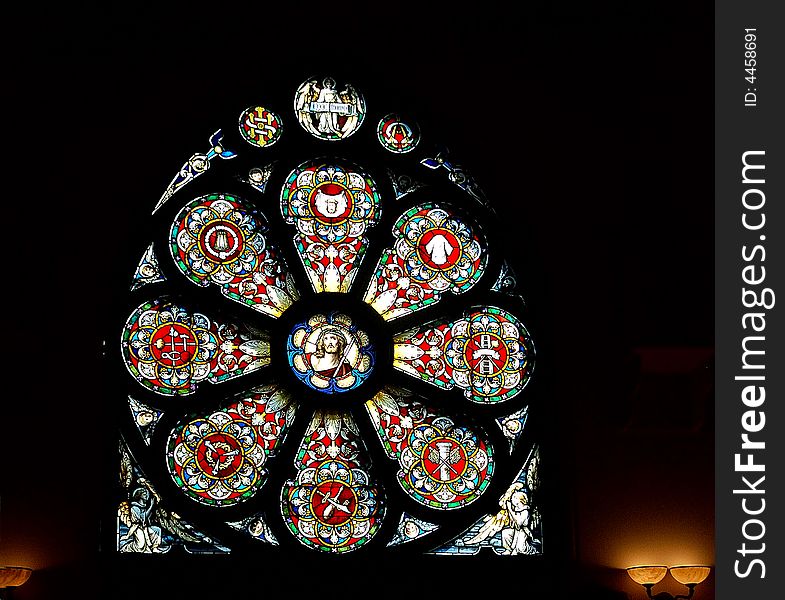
x=393, y=367
x=217, y=459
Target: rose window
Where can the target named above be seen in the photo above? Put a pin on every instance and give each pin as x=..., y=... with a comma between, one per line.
x=323, y=348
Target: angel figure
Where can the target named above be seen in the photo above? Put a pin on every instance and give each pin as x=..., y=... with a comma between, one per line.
x=147, y=522
x=351, y=97
x=514, y=521
x=307, y=93
x=136, y=513
x=328, y=120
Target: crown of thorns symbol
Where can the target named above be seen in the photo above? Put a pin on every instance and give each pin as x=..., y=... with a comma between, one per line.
x=218, y=459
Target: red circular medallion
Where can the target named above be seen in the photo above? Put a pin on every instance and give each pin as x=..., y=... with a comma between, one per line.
x=333, y=502
x=444, y=459
x=260, y=127
x=221, y=241
x=439, y=249
x=219, y=455
x=331, y=203
x=173, y=345
x=485, y=354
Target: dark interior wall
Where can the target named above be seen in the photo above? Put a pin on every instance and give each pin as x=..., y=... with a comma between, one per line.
x=582, y=124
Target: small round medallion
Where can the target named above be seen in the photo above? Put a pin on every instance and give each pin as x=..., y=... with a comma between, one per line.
x=327, y=110
x=397, y=135
x=260, y=127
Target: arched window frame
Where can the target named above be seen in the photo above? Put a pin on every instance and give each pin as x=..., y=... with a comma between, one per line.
x=440, y=175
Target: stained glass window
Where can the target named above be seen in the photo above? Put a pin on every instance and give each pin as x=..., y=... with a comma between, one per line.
x=324, y=348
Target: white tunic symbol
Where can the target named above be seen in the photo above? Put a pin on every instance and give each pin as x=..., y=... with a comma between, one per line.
x=330, y=205
x=439, y=249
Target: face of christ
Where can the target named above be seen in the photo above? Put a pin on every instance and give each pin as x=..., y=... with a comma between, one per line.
x=329, y=360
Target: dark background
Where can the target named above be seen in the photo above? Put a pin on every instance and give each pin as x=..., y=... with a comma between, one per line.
x=590, y=128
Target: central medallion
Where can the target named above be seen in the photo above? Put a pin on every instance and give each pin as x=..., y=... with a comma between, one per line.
x=329, y=353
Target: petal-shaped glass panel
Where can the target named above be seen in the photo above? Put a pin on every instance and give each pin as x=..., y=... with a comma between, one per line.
x=333, y=505
x=488, y=354
x=170, y=350
x=218, y=459
x=332, y=205
x=443, y=464
x=216, y=239
x=435, y=251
